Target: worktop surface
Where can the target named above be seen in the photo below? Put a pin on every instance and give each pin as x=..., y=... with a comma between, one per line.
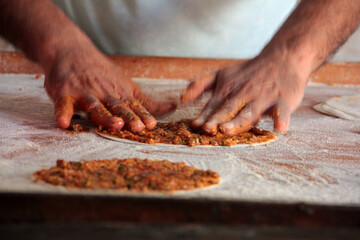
x=317, y=161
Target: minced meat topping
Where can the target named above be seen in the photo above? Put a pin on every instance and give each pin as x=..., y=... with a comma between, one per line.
x=181, y=133
x=128, y=174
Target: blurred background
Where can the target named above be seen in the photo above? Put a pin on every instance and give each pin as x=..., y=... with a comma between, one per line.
x=349, y=52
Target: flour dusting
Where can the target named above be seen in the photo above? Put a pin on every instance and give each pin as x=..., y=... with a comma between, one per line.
x=317, y=161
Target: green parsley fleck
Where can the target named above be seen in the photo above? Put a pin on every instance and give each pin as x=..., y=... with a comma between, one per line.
x=121, y=166
x=153, y=186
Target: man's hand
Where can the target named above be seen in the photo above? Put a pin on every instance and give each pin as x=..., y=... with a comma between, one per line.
x=77, y=75
x=273, y=83
x=85, y=80
x=243, y=92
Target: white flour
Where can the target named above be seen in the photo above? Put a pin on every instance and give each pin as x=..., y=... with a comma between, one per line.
x=318, y=161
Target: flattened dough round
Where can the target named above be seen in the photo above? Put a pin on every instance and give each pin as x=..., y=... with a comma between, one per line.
x=181, y=134
x=130, y=174
x=345, y=107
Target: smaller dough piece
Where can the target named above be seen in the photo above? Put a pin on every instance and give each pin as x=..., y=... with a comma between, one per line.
x=131, y=174
x=345, y=107
x=181, y=133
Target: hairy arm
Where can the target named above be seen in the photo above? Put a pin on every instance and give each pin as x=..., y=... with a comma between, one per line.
x=315, y=30
x=77, y=75
x=274, y=81
x=37, y=27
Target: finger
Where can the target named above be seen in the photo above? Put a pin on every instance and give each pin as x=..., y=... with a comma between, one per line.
x=99, y=115
x=226, y=112
x=64, y=110
x=281, y=116
x=145, y=116
x=198, y=87
x=247, y=118
x=154, y=107
x=208, y=110
x=122, y=109
x=282, y=111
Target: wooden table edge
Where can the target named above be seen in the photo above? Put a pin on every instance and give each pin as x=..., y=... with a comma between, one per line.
x=183, y=68
x=61, y=208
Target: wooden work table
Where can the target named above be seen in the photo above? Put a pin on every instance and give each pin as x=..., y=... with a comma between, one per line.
x=308, y=178
x=183, y=68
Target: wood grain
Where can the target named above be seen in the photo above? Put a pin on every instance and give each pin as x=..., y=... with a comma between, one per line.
x=54, y=208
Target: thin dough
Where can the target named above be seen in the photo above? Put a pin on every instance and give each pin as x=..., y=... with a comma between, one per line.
x=345, y=107
x=181, y=134
x=131, y=174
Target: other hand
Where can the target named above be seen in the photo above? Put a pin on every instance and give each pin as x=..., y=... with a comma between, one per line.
x=242, y=93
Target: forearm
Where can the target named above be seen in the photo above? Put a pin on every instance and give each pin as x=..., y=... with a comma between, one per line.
x=39, y=28
x=314, y=30
x=77, y=75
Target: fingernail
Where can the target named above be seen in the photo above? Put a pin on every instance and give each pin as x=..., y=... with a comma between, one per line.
x=210, y=128
x=116, y=123
x=198, y=122
x=136, y=125
x=228, y=128
x=280, y=131
x=281, y=127
x=137, y=128
x=116, y=119
x=151, y=124
x=63, y=122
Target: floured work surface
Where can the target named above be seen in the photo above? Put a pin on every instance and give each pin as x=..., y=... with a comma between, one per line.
x=316, y=162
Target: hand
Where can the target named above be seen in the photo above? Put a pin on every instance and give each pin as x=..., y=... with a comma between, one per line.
x=86, y=80
x=244, y=92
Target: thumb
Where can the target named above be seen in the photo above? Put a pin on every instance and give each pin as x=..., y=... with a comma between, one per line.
x=198, y=87
x=281, y=115
x=64, y=110
x=156, y=108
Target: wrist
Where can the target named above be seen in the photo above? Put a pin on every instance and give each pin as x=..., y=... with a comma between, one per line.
x=72, y=47
x=301, y=58
x=69, y=44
